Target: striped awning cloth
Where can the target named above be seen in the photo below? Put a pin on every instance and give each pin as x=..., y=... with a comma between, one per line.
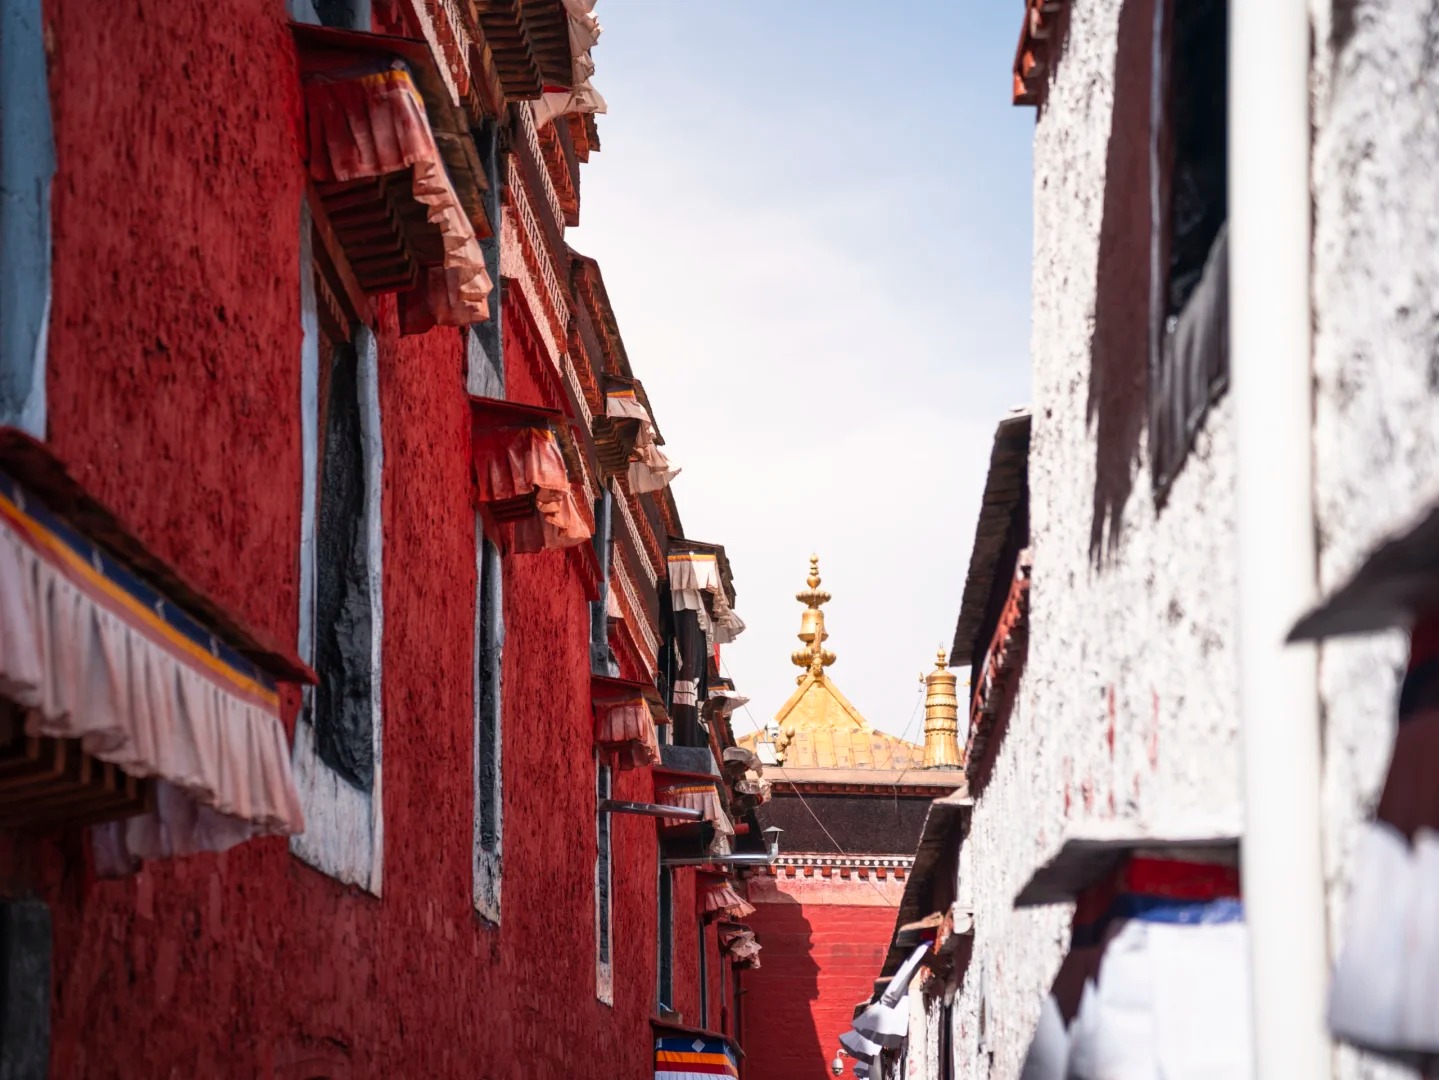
x=693, y=1057
x=102, y=644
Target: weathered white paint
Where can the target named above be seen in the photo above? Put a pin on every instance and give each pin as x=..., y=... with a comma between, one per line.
x=1128, y=705
x=344, y=827
x=1152, y=621
x=1376, y=371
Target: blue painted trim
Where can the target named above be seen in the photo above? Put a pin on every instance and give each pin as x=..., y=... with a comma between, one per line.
x=27, y=169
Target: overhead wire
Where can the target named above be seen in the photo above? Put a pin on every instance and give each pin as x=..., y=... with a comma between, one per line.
x=760, y=730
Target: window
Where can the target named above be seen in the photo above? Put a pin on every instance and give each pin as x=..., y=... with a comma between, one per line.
x=1189, y=349
x=27, y=166
x=489, y=729
x=604, y=905
x=344, y=14
x=667, y=939
x=485, y=377
x=338, y=734
x=342, y=703
x=602, y=658
x=946, y=1042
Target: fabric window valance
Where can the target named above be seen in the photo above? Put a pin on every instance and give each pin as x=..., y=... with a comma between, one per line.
x=625, y=722
x=717, y=897
x=92, y=651
x=579, y=97
x=523, y=459
x=386, y=192
x=629, y=427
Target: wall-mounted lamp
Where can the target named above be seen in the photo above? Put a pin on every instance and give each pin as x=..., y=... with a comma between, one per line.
x=772, y=835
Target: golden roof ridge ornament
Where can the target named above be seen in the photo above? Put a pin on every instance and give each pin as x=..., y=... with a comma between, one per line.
x=941, y=716
x=814, y=657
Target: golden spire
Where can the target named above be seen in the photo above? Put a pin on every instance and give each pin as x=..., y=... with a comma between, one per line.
x=814, y=657
x=941, y=717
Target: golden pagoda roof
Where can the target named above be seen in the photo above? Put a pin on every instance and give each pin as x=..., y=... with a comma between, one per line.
x=818, y=727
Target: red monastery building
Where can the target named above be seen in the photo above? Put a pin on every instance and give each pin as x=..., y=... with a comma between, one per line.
x=852, y=802
x=355, y=669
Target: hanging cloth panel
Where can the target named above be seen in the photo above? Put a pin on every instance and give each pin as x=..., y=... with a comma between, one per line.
x=649, y=469
x=624, y=726
x=368, y=137
x=580, y=98
x=690, y=685
x=719, y=898
x=702, y=796
x=694, y=1057
x=89, y=652
x=521, y=482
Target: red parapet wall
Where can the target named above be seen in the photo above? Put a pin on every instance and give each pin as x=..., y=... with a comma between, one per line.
x=819, y=960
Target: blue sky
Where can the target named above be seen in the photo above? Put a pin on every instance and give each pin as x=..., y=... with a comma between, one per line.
x=813, y=220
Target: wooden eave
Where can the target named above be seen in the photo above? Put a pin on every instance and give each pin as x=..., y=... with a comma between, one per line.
x=993, y=697
x=529, y=42
x=563, y=167
x=1038, y=45
x=683, y=544
x=944, y=828
x=449, y=123
x=1083, y=860
x=648, y=536
x=589, y=285
x=1006, y=486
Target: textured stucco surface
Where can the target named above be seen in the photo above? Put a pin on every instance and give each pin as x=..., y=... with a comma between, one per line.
x=1127, y=706
x=174, y=386
x=1376, y=365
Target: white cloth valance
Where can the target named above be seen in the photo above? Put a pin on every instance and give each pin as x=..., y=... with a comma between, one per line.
x=581, y=97
x=649, y=468
x=90, y=653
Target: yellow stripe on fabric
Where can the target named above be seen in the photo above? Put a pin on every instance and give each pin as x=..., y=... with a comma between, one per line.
x=392, y=78
x=71, y=561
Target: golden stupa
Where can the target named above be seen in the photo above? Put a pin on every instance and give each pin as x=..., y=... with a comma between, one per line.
x=818, y=728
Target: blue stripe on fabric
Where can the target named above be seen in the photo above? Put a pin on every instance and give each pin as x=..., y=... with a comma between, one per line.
x=1159, y=909
x=118, y=574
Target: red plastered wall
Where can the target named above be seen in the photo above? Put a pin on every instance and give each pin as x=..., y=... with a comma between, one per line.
x=819, y=961
x=174, y=374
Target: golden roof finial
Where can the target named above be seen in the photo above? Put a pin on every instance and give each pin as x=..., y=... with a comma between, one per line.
x=941, y=717
x=814, y=658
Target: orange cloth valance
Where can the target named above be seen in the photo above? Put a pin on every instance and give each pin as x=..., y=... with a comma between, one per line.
x=380, y=173
x=624, y=721
x=522, y=478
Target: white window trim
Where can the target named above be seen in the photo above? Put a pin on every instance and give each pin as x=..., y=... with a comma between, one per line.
x=344, y=833
x=488, y=866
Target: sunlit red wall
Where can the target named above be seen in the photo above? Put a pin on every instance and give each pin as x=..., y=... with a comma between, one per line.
x=174, y=385
x=824, y=945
